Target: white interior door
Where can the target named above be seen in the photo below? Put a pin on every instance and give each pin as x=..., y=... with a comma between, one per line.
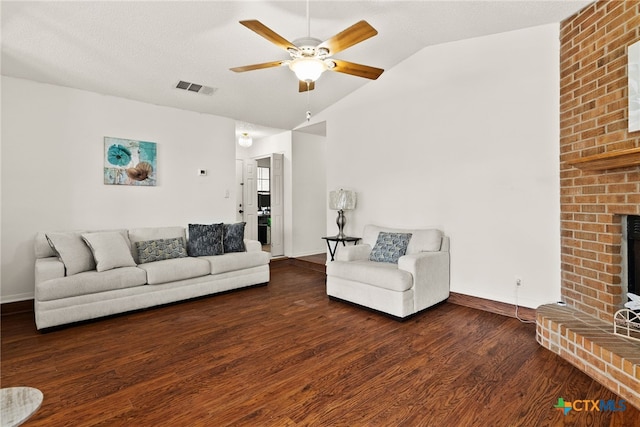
x=277, y=204
x=251, y=200
x=239, y=190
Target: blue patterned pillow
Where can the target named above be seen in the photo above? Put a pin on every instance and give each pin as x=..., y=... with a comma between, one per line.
x=205, y=239
x=233, y=239
x=158, y=250
x=390, y=246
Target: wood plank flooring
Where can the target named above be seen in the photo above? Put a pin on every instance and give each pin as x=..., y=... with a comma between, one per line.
x=285, y=355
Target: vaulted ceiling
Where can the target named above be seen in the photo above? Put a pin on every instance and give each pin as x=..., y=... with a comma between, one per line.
x=141, y=50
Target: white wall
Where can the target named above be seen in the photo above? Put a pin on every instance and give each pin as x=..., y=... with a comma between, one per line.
x=52, y=157
x=463, y=136
x=309, y=194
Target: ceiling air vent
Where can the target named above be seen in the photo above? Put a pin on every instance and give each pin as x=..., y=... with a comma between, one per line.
x=194, y=87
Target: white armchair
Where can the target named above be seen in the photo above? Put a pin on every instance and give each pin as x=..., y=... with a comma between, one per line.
x=419, y=280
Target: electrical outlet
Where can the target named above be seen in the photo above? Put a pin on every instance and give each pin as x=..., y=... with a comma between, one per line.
x=518, y=281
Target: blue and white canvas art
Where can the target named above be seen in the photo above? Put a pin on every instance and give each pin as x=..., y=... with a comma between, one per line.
x=129, y=162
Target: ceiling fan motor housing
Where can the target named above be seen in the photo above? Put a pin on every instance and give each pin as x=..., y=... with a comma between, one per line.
x=308, y=47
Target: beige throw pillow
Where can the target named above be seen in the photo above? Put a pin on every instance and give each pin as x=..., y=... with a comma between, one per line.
x=110, y=250
x=72, y=251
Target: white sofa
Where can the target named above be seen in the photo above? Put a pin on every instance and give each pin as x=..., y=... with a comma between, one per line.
x=418, y=280
x=61, y=298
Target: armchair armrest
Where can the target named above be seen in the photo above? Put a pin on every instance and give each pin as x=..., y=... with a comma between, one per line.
x=48, y=268
x=430, y=271
x=353, y=253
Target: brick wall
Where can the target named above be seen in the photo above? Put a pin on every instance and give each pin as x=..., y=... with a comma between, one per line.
x=593, y=120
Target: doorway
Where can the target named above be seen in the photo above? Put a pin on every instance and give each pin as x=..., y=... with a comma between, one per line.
x=264, y=207
x=263, y=181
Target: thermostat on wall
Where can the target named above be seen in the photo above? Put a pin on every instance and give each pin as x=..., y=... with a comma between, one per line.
x=202, y=172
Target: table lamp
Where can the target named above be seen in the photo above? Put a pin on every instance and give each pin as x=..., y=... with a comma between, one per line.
x=341, y=200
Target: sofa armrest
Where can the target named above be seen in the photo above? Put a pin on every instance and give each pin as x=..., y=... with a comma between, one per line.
x=353, y=253
x=48, y=268
x=252, y=245
x=430, y=271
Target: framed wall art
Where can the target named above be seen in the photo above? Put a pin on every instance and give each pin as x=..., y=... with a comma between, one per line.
x=129, y=162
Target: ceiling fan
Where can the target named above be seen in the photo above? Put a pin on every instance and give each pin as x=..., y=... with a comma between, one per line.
x=311, y=57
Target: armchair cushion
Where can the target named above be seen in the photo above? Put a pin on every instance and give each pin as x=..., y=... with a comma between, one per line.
x=422, y=240
x=380, y=274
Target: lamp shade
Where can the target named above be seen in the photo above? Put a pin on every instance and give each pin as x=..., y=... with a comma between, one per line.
x=342, y=200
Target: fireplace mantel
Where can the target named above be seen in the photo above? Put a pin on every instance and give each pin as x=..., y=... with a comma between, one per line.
x=610, y=160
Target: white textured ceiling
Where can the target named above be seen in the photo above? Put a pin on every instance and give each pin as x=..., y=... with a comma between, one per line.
x=140, y=50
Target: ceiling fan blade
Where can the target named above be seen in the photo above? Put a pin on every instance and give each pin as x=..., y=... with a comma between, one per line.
x=266, y=32
x=356, y=69
x=354, y=34
x=257, y=66
x=302, y=86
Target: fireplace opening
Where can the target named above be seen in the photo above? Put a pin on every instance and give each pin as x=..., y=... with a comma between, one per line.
x=633, y=254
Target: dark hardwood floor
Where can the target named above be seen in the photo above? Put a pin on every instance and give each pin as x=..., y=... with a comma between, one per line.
x=285, y=355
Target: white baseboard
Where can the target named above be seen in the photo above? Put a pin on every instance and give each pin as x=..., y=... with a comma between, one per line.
x=306, y=254
x=15, y=298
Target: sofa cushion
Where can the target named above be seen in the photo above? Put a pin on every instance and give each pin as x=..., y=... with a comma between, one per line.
x=236, y=261
x=160, y=249
x=389, y=247
x=205, y=239
x=72, y=250
x=171, y=270
x=110, y=250
x=233, y=238
x=381, y=274
x=90, y=282
x=153, y=233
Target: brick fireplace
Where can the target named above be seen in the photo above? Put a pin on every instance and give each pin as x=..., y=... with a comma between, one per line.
x=593, y=121
x=599, y=185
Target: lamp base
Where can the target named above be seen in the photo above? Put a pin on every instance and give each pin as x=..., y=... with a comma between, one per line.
x=341, y=221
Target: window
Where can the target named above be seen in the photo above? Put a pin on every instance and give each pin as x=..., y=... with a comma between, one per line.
x=263, y=179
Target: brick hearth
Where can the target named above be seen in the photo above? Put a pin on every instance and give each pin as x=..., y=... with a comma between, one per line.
x=589, y=344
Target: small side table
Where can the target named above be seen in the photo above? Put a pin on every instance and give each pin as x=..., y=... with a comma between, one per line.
x=336, y=240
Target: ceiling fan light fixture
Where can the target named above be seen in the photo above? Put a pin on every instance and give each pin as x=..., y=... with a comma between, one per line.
x=308, y=69
x=245, y=140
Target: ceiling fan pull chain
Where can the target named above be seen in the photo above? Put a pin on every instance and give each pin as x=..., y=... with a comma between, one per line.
x=308, y=101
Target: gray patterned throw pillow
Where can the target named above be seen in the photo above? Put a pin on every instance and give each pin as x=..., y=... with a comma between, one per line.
x=158, y=250
x=390, y=246
x=233, y=239
x=205, y=240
